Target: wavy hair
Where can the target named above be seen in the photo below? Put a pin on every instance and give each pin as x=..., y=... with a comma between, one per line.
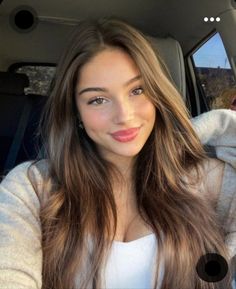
x=78, y=209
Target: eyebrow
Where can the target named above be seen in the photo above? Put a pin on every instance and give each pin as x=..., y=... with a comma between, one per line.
x=103, y=89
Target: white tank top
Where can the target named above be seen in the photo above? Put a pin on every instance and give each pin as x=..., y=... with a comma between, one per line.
x=131, y=265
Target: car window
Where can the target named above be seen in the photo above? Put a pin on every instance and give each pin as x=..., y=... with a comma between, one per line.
x=214, y=74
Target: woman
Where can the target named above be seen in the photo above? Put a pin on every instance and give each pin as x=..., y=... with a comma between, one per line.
x=104, y=194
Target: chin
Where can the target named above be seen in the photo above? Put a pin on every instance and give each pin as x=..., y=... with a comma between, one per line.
x=130, y=153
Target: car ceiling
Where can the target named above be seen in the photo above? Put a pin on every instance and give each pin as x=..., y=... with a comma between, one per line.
x=181, y=19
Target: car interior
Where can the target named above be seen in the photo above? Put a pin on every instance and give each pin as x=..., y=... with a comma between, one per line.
x=196, y=40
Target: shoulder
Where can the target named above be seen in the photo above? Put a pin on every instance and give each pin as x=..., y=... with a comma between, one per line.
x=18, y=183
x=20, y=173
x=17, y=176
x=216, y=126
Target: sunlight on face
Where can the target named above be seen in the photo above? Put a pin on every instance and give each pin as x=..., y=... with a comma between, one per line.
x=110, y=97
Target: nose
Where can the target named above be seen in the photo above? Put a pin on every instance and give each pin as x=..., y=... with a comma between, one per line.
x=124, y=111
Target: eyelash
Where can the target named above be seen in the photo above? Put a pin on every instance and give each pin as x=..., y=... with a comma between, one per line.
x=98, y=98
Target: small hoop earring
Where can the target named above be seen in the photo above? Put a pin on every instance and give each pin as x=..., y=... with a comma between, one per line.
x=81, y=125
x=80, y=122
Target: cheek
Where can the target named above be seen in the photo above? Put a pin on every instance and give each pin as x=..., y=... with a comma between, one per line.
x=148, y=110
x=95, y=121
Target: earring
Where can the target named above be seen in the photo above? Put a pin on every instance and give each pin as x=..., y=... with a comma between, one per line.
x=80, y=122
x=81, y=125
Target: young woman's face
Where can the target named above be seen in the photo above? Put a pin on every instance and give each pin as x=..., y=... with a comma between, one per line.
x=118, y=103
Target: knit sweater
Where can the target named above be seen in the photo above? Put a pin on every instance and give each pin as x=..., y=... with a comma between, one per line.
x=20, y=227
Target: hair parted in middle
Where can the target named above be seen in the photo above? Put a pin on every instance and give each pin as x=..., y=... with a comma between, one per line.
x=166, y=174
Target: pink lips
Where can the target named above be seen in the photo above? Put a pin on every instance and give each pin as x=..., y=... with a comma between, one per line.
x=125, y=135
x=126, y=132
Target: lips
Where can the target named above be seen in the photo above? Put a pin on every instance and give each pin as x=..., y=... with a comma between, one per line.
x=127, y=132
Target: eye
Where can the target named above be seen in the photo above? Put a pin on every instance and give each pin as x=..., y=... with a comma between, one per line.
x=139, y=89
x=98, y=100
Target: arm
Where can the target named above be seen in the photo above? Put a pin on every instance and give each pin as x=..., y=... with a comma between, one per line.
x=20, y=232
x=222, y=187
x=217, y=129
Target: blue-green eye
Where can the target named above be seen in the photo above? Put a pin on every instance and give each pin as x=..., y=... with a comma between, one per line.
x=99, y=100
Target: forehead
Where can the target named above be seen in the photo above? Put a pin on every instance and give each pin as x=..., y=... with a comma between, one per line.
x=108, y=66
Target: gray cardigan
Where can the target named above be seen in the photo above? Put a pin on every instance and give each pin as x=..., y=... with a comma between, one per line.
x=20, y=228
x=217, y=129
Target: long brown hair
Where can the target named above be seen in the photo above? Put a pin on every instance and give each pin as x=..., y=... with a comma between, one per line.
x=78, y=192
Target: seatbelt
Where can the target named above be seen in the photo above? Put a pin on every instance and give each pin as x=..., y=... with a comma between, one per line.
x=16, y=143
x=41, y=154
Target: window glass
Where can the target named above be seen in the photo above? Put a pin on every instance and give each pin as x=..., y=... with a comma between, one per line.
x=40, y=78
x=214, y=73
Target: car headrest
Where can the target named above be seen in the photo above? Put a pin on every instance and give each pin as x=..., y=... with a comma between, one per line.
x=171, y=53
x=13, y=83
